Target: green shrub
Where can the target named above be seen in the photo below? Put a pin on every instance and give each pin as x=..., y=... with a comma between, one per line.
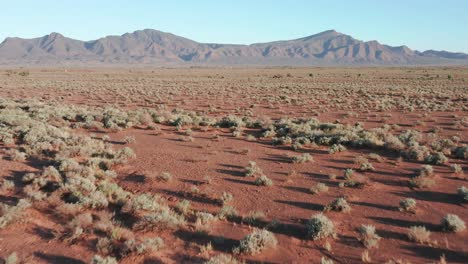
x=149, y=245
x=253, y=169
x=17, y=155
x=188, y=132
x=231, y=122
x=95, y=199
x=366, y=166
x=227, y=211
x=463, y=193
x=375, y=157
x=426, y=170
x=125, y=154
x=363, y=164
x=12, y=258
x=250, y=138
x=408, y=205
x=416, y=152
x=165, y=219
x=183, y=207
x=419, y=234
x=253, y=217
x=460, y=152
x=257, y=241
x=335, y=148
x=145, y=202
x=422, y=182
x=325, y=260
x=23, y=73
x=437, y=158
x=7, y=185
x=237, y=133
x=195, y=190
x=164, y=176
x=319, y=226
x=9, y=214
x=222, y=259
x=452, y=223
x=319, y=188
x=306, y=157
x=457, y=169
x=263, y=180
x=129, y=139
x=425, y=177
x=340, y=205
x=226, y=198
x=203, y=221
x=368, y=236
x=348, y=174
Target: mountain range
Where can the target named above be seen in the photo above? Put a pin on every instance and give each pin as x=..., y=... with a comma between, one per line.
x=156, y=48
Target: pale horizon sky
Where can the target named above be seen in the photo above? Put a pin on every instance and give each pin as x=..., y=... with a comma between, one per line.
x=418, y=24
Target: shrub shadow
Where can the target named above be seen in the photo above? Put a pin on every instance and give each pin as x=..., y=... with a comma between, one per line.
x=303, y=205
x=405, y=223
x=240, y=181
x=57, y=259
x=219, y=242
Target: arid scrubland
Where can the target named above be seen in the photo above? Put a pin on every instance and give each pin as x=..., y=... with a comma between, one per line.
x=278, y=165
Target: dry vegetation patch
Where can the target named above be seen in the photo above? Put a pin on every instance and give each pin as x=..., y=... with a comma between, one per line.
x=218, y=166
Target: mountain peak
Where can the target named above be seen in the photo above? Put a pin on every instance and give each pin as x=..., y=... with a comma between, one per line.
x=324, y=34
x=330, y=31
x=150, y=46
x=54, y=35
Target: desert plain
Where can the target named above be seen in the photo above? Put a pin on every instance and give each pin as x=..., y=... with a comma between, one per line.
x=233, y=165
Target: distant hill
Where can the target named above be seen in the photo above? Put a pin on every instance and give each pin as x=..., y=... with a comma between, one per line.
x=158, y=48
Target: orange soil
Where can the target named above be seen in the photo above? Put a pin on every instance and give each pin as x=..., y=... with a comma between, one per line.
x=288, y=200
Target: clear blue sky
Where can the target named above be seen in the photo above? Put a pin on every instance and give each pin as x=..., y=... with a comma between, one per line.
x=420, y=24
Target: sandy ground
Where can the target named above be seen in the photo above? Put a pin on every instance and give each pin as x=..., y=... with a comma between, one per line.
x=289, y=200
